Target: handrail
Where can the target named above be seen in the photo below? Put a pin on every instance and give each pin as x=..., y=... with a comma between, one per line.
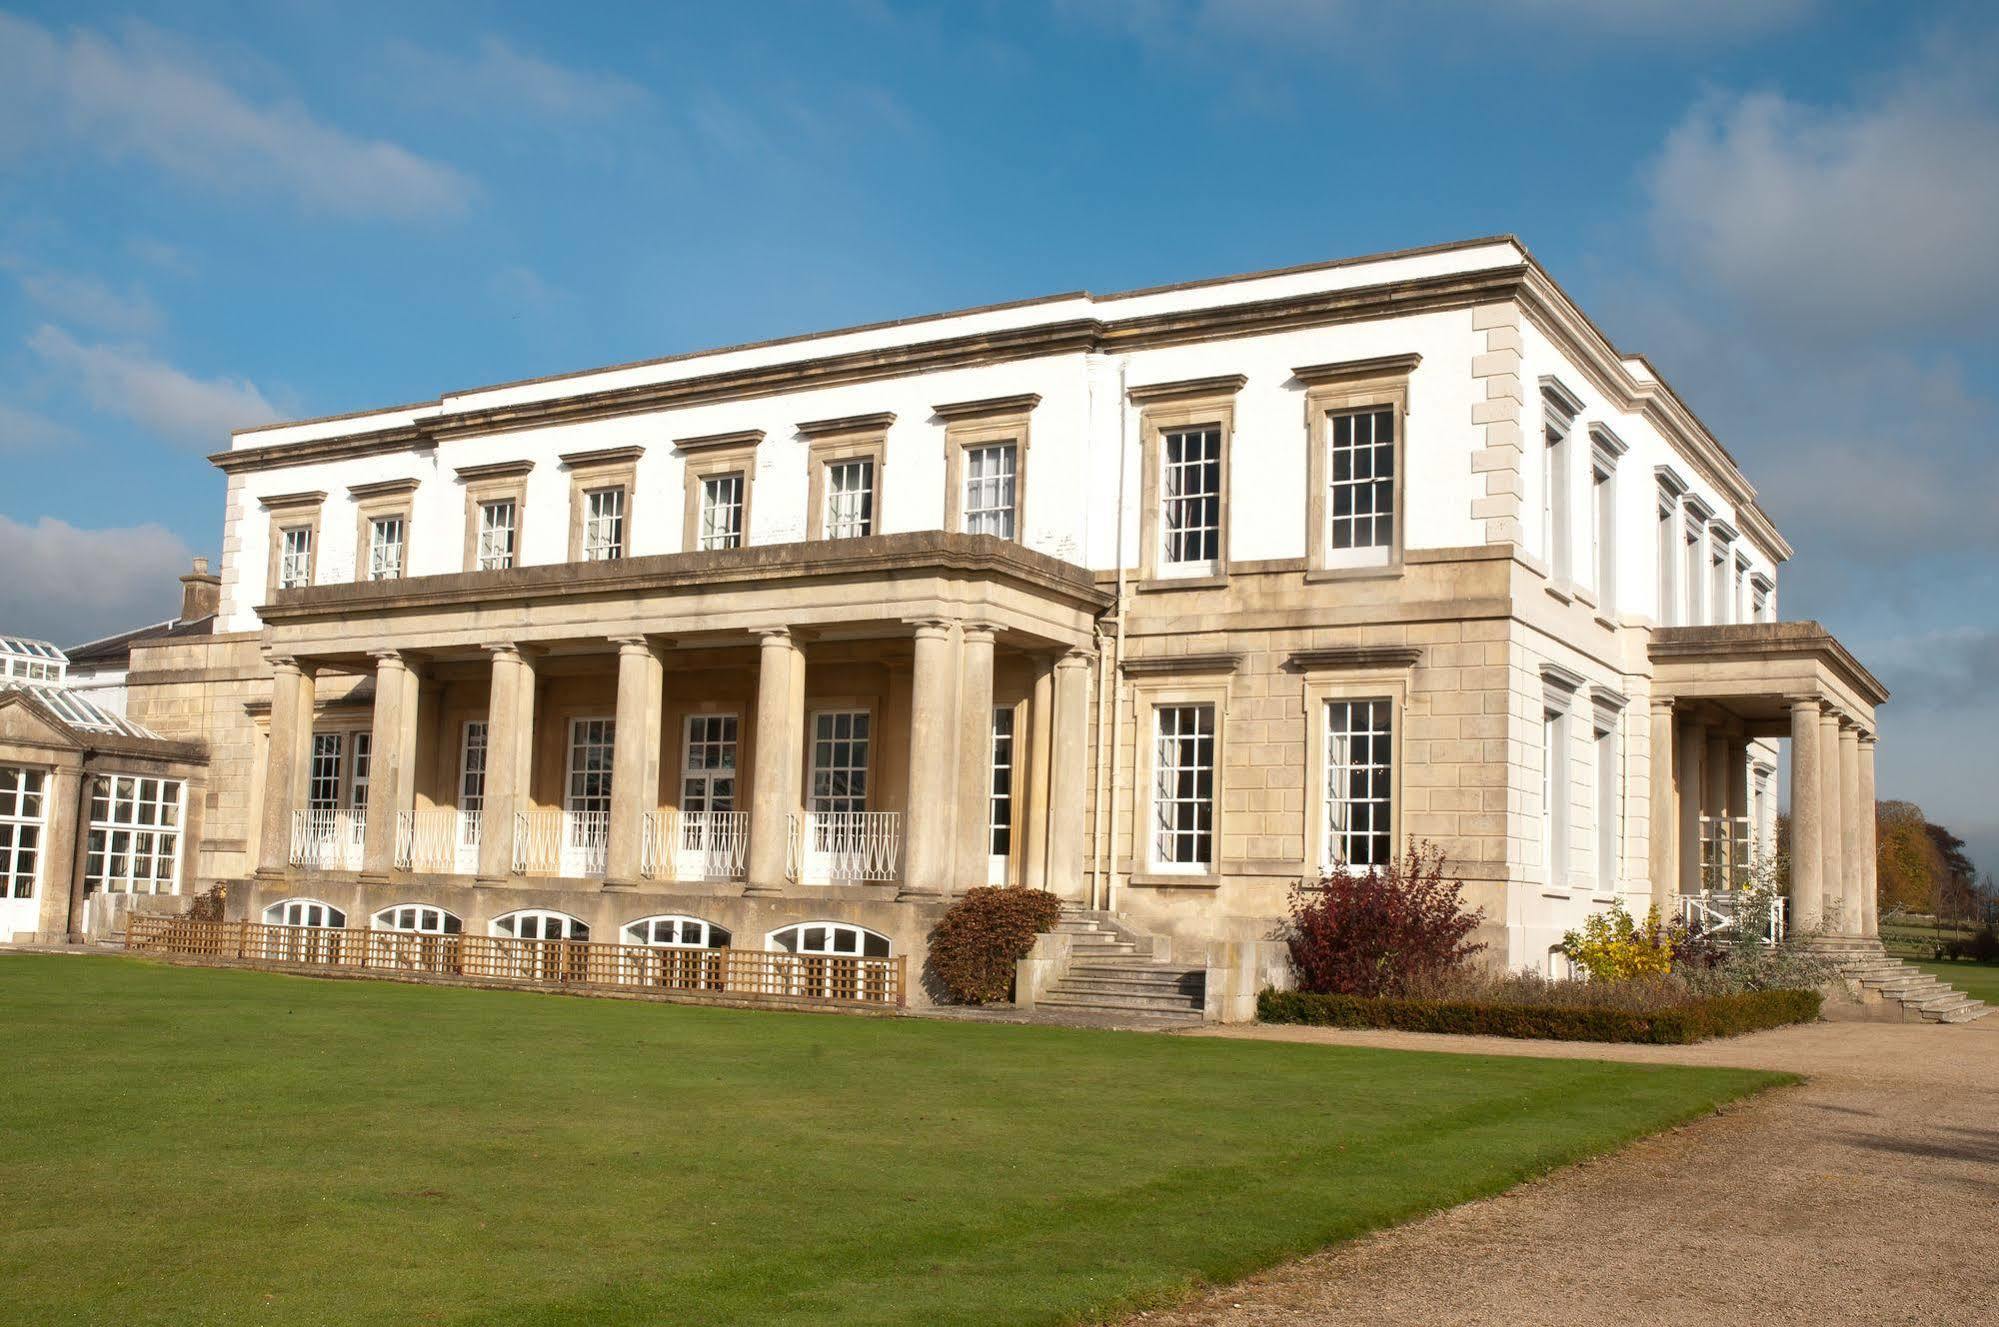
x=843, y=847
x=328, y=840
x=438, y=839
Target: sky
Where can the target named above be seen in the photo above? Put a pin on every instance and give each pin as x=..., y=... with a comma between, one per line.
x=214, y=216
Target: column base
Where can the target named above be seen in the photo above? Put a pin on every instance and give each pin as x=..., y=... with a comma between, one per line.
x=374, y=877
x=621, y=885
x=908, y=895
x=272, y=873
x=764, y=890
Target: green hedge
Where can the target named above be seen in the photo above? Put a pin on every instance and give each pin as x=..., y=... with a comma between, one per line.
x=1717, y=1016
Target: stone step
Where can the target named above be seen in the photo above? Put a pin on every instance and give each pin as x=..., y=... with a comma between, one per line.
x=1182, y=1011
x=1966, y=1013
x=1177, y=989
x=1942, y=1002
x=1132, y=967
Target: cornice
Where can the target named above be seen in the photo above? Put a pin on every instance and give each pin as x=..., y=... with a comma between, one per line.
x=1350, y=657
x=496, y=470
x=602, y=456
x=276, y=501
x=987, y=408
x=1357, y=370
x=715, y=441
x=1766, y=640
x=884, y=555
x=1222, y=384
x=1177, y=664
x=845, y=424
x=382, y=488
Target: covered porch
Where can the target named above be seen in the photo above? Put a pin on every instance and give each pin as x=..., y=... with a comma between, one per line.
x=1723, y=698
x=902, y=714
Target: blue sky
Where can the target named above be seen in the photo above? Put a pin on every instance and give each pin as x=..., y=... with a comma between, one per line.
x=211, y=217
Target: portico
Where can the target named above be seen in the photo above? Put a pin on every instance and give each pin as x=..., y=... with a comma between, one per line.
x=754, y=721
x=1720, y=692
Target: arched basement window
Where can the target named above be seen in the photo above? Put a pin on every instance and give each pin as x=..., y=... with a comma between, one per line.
x=419, y=918
x=835, y=938
x=676, y=931
x=303, y=912
x=538, y=924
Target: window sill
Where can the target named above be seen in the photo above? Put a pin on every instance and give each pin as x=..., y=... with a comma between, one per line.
x=1173, y=880
x=1555, y=891
x=1561, y=591
x=1215, y=582
x=1388, y=571
x=1606, y=623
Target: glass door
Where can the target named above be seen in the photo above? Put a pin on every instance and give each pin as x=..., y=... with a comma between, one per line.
x=708, y=820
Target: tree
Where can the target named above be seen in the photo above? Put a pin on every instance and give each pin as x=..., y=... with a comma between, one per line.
x=1909, y=864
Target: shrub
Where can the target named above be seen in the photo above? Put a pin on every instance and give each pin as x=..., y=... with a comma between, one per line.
x=1373, y=934
x=974, y=948
x=1613, y=947
x=1981, y=947
x=1713, y=1016
x=209, y=905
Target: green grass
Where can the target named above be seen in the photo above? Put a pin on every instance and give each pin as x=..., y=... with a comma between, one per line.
x=219, y=1147
x=1980, y=981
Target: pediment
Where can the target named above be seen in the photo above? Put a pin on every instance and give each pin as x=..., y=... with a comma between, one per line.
x=23, y=722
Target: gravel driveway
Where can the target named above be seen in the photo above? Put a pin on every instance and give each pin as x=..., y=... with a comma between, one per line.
x=1869, y=1194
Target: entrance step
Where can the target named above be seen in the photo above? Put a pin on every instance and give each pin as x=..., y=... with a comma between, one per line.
x=1919, y=993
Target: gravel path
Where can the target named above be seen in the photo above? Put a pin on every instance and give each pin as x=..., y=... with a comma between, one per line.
x=1869, y=1194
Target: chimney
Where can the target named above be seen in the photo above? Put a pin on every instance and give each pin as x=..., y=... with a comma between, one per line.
x=200, y=593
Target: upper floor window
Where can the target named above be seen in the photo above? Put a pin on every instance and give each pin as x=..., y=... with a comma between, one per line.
x=385, y=547
x=1355, y=414
x=1360, y=502
x=498, y=521
x=722, y=511
x=990, y=489
x=850, y=498
x=1605, y=448
x=1759, y=599
x=1190, y=496
x=602, y=485
x=295, y=557
x=1559, y=408
x=604, y=524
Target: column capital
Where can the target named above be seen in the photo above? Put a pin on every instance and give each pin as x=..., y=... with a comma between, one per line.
x=1075, y=659
x=772, y=636
x=931, y=628
x=285, y=663
x=1663, y=704
x=979, y=633
x=388, y=659
x=507, y=649
x=638, y=645
x=1868, y=739
x=1799, y=704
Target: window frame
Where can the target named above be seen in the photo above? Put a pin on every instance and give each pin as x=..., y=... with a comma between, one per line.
x=305, y=905
x=709, y=458
x=597, y=472
x=863, y=935
x=1605, y=450
x=1353, y=387
x=1149, y=694
x=292, y=511
x=1560, y=689
x=1560, y=411
x=681, y=921
x=16, y=884
x=445, y=916
x=504, y=481
x=388, y=500
x=1611, y=785
x=1672, y=492
x=1322, y=685
x=833, y=442
x=571, y=923
x=1177, y=407
x=100, y=829
x=975, y=425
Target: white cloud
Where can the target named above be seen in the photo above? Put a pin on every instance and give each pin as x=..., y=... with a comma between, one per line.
x=81, y=298
x=1837, y=220
x=494, y=77
x=24, y=430
x=110, y=579
x=132, y=383
x=143, y=96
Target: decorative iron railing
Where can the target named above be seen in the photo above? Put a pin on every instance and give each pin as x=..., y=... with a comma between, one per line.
x=328, y=840
x=695, y=845
x=751, y=974
x=1725, y=913
x=438, y=840
x=561, y=843
x=844, y=847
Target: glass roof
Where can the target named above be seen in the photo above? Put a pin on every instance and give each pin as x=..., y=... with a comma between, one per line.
x=77, y=711
x=20, y=647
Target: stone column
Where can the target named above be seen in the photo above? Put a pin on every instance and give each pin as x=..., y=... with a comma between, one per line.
x=1807, y=813
x=1692, y=790
x=634, y=757
x=929, y=831
x=779, y=769
x=65, y=836
x=1853, y=920
x=975, y=758
x=1832, y=831
x=288, y=764
x=391, y=761
x=1040, y=728
x=1663, y=840
x=1068, y=775
x=509, y=760
x=1870, y=848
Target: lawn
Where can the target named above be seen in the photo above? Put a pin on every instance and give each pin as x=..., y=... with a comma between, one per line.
x=218, y=1147
x=1980, y=981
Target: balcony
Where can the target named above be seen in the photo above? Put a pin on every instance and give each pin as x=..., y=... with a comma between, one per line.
x=845, y=847
x=444, y=842
x=561, y=843
x=328, y=840
x=696, y=845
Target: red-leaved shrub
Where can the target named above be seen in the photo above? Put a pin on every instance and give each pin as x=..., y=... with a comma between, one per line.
x=975, y=946
x=1374, y=933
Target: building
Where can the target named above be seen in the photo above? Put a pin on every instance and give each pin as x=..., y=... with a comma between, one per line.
x=97, y=669
x=1163, y=600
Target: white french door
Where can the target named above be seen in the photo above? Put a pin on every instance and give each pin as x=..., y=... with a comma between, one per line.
x=471, y=795
x=708, y=823
x=586, y=796
x=999, y=818
x=837, y=808
x=23, y=809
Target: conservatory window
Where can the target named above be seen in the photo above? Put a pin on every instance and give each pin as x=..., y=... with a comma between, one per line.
x=134, y=843
x=21, y=813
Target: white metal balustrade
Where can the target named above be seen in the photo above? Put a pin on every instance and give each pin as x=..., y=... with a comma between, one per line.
x=328, y=840
x=561, y=843
x=845, y=847
x=695, y=845
x=1726, y=913
x=439, y=840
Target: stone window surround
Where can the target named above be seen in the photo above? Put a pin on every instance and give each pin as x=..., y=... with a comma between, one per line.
x=1164, y=408
x=1559, y=690
x=1605, y=449
x=589, y=472
x=1354, y=674
x=374, y=502
x=1560, y=409
x=710, y=457
x=291, y=511
x=969, y=424
x=1607, y=711
x=1181, y=680
x=1672, y=597
x=1695, y=514
x=849, y=438
x=494, y=483
x=1353, y=385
